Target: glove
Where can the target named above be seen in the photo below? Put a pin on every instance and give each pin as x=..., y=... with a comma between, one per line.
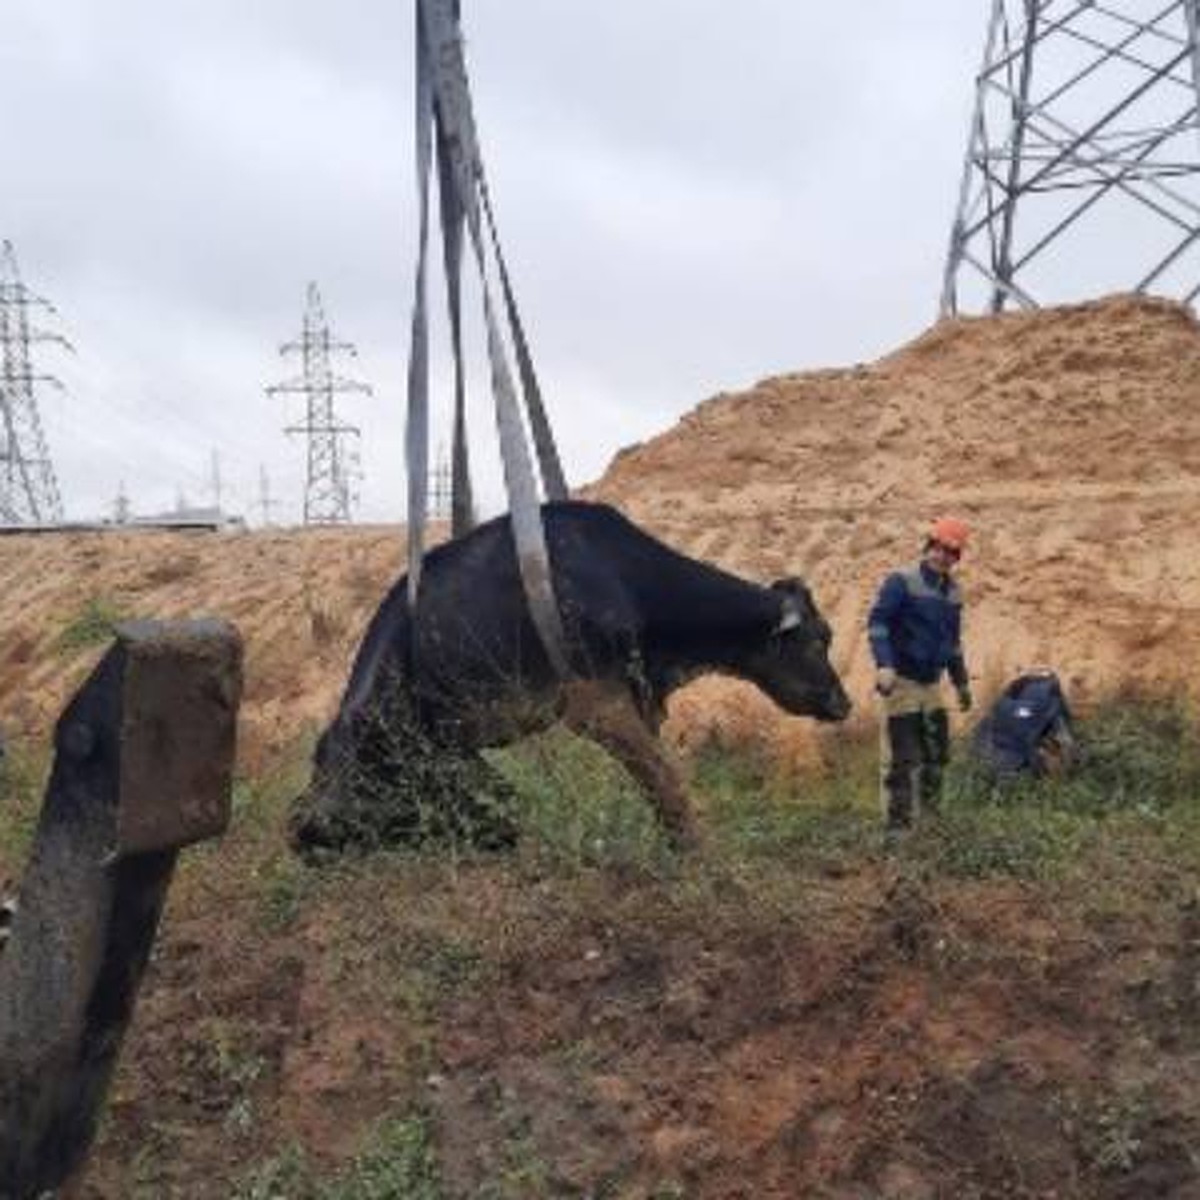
x=885, y=681
x=965, y=699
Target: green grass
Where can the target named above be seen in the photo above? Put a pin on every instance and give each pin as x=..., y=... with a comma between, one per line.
x=576, y=807
x=1138, y=778
x=1136, y=755
x=23, y=775
x=825, y=818
x=398, y=1163
x=92, y=625
x=406, y=938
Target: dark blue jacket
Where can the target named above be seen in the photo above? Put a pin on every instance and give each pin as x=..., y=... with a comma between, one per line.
x=915, y=626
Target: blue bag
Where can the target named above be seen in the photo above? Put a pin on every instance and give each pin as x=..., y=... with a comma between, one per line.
x=1028, y=730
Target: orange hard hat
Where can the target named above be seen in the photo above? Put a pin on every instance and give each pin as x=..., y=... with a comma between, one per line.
x=950, y=532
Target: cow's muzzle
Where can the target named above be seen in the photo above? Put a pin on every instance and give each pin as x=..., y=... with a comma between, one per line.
x=837, y=707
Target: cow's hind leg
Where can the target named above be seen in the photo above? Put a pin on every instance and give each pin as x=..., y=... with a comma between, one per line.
x=607, y=715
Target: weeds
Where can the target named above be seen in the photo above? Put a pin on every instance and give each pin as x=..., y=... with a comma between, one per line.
x=578, y=808
x=286, y=884
x=384, y=782
x=234, y=1067
x=826, y=818
x=1135, y=755
x=93, y=625
x=1138, y=761
x=287, y=1176
x=1110, y=1129
x=398, y=1164
x=1027, y=842
x=22, y=784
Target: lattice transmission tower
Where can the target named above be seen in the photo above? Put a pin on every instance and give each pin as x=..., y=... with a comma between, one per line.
x=441, y=488
x=28, y=487
x=333, y=462
x=1082, y=170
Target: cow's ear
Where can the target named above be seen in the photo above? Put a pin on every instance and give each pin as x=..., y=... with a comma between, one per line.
x=796, y=602
x=792, y=585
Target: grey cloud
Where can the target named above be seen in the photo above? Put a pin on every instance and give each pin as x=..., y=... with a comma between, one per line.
x=692, y=195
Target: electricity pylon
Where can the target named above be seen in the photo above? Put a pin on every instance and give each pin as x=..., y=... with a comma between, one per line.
x=332, y=466
x=266, y=502
x=1082, y=171
x=28, y=487
x=441, y=488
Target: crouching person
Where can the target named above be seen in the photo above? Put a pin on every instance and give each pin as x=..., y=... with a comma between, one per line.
x=915, y=631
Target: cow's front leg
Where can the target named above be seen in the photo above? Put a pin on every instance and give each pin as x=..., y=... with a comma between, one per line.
x=608, y=715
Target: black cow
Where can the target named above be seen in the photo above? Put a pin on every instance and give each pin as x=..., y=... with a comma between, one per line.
x=640, y=620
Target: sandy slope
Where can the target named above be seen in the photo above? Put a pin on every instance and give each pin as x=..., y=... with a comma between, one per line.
x=301, y=599
x=1070, y=439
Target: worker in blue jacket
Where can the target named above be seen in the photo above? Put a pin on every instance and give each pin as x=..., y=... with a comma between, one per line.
x=915, y=630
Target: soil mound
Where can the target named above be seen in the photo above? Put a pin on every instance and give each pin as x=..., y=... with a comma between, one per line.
x=1070, y=440
x=301, y=599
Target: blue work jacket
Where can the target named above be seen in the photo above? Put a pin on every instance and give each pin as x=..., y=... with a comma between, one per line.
x=915, y=626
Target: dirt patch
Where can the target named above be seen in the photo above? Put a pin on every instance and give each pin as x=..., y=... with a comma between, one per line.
x=863, y=1061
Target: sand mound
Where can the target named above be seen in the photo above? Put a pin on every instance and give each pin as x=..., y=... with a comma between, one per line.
x=300, y=598
x=1070, y=438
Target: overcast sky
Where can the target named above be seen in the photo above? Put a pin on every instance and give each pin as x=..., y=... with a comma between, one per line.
x=692, y=194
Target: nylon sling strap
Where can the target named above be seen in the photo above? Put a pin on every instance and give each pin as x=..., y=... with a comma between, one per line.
x=417, y=425
x=462, y=502
x=553, y=478
x=440, y=49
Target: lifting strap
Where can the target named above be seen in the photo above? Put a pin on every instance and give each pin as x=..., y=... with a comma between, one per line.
x=444, y=104
x=462, y=502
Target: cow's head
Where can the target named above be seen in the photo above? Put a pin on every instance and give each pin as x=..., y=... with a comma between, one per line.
x=793, y=666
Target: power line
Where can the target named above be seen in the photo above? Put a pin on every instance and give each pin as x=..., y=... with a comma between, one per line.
x=333, y=463
x=28, y=486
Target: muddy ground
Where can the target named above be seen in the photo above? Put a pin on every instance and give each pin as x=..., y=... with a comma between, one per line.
x=809, y=1020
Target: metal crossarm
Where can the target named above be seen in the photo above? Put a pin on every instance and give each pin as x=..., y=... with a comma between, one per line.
x=1078, y=130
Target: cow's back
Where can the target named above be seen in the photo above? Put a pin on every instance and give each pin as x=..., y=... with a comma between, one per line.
x=615, y=586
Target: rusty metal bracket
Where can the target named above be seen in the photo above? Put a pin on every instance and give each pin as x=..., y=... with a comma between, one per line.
x=143, y=766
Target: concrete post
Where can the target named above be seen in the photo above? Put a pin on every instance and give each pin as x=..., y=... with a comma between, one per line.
x=143, y=765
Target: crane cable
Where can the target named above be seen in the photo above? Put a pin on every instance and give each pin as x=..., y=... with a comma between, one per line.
x=444, y=105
